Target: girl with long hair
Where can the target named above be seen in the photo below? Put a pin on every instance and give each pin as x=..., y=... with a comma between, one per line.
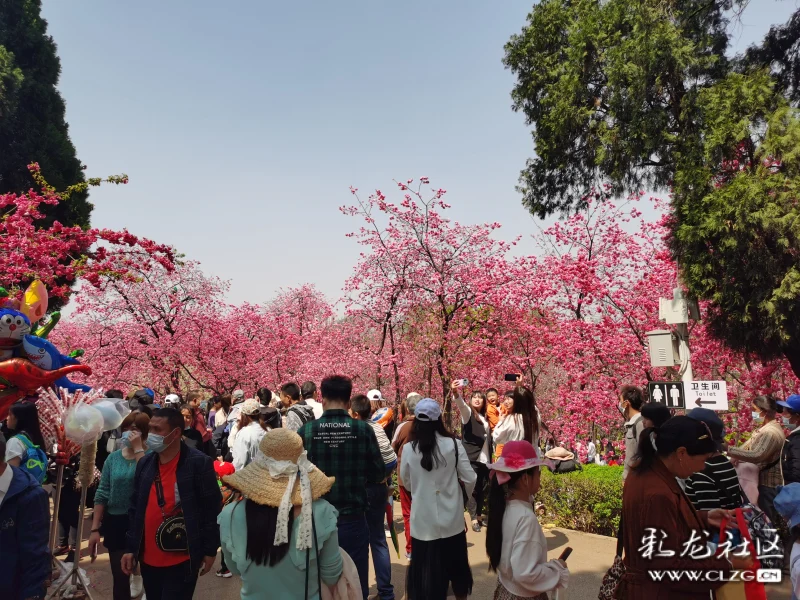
x=477, y=441
x=653, y=501
x=282, y=545
x=434, y=467
x=23, y=421
x=521, y=423
x=515, y=543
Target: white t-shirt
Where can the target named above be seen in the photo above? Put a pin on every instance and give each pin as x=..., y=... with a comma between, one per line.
x=524, y=569
x=315, y=406
x=14, y=449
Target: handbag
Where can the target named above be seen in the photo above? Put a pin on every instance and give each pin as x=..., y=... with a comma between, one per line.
x=614, y=575
x=171, y=535
x=747, y=590
x=464, y=494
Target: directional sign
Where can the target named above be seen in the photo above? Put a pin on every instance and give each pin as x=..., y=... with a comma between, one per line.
x=707, y=394
x=668, y=393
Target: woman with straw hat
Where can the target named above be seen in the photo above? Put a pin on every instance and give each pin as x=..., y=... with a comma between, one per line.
x=282, y=538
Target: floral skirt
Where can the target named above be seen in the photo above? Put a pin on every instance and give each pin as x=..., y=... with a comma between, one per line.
x=502, y=593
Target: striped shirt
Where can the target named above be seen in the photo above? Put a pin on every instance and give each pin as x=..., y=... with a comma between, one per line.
x=388, y=455
x=716, y=486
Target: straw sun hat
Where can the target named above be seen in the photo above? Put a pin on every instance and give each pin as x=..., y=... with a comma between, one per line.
x=282, y=476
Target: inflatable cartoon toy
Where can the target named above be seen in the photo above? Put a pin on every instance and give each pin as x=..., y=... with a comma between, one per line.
x=44, y=355
x=28, y=361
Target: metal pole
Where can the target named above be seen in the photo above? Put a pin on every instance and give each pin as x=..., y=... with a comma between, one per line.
x=56, y=502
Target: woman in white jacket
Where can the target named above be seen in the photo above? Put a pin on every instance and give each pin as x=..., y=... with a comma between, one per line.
x=433, y=462
x=245, y=448
x=515, y=543
x=522, y=423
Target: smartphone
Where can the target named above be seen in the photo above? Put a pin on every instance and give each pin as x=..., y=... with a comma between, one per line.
x=511, y=376
x=565, y=554
x=461, y=382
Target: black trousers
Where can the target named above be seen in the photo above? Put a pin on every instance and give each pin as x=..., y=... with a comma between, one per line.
x=169, y=583
x=475, y=504
x=122, y=582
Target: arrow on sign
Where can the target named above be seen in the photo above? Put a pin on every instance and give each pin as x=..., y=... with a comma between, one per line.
x=700, y=403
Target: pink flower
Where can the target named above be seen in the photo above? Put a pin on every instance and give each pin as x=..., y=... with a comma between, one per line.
x=514, y=461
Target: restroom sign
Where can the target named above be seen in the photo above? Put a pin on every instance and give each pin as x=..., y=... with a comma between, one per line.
x=669, y=393
x=707, y=394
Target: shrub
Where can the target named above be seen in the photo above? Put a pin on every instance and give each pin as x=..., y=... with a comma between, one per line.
x=589, y=500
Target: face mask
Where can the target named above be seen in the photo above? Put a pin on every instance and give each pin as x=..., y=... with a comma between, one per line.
x=125, y=439
x=157, y=443
x=621, y=408
x=756, y=415
x=787, y=422
x=204, y=405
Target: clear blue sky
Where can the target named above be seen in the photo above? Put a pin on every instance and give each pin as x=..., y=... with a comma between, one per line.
x=242, y=124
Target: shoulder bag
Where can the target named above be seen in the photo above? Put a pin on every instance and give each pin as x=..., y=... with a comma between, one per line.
x=308, y=556
x=464, y=495
x=171, y=535
x=613, y=576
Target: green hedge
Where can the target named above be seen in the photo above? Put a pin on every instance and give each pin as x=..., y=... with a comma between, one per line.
x=589, y=500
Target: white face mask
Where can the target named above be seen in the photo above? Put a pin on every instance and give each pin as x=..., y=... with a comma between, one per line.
x=756, y=415
x=787, y=422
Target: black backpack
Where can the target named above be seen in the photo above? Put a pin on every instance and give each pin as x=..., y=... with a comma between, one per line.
x=566, y=466
x=304, y=415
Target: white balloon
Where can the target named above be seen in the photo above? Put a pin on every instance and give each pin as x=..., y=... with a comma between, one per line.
x=83, y=424
x=113, y=411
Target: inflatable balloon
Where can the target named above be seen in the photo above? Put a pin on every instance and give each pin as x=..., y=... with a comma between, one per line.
x=14, y=326
x=19, y=377
x=113, y=411
x=44, y=354
x=34, y=302
x=83, y=424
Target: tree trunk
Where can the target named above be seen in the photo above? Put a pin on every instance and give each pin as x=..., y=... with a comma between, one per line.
x=792, y=353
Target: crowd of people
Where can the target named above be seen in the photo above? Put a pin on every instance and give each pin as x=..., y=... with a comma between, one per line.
x=293, y=490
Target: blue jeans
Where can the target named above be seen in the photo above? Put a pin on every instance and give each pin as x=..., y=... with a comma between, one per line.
x=377, y=494
x=354, y=539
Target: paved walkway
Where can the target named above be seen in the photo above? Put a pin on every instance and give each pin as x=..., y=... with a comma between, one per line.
x=591, y=557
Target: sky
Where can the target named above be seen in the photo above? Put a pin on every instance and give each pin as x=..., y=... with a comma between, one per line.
x=243, y=125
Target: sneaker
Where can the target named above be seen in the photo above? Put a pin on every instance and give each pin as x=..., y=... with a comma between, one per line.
x=476, y=527
x=136, y=586
x=224, y=573
x=60, y=550
x=70, y=556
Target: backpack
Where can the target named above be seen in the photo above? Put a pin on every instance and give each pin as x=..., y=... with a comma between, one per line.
x=566, y=466
x=304, y=416
x=34, y=461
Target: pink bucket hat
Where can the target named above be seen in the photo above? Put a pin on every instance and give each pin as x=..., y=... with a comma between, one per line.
x=517, y=456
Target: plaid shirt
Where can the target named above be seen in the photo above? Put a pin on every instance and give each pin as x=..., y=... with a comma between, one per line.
x=346, y=449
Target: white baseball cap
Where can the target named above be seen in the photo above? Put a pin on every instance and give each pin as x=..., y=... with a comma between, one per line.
x=375, y=395
x=172, y=399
